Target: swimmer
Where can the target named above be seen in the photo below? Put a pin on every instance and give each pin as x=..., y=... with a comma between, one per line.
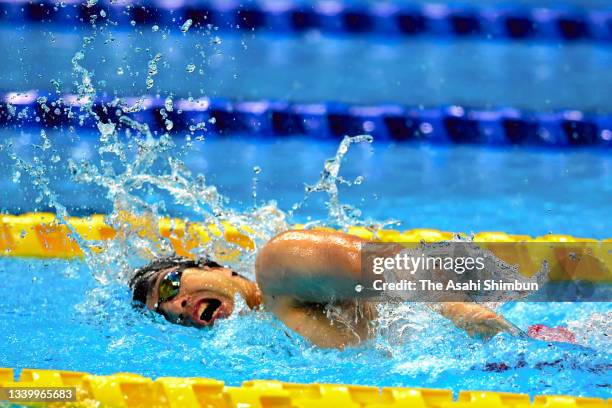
x=299, y=274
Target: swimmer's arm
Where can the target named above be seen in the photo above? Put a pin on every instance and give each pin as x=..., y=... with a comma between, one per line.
x=312, y=321
x=300, y=273
x=475, y=319
x=311, y=266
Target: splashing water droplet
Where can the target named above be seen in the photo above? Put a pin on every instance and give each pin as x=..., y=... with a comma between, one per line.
x=152, y=71
x=106, y=130
x=155, y=28
x=197, y=126
x=168, y=104
x=339, y=214
x=46, y=142
x=186, y=25
x=56, y=84
x=120, y=71
x=190, y=68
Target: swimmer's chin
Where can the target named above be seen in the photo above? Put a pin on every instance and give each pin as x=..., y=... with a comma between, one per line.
x=210, y=308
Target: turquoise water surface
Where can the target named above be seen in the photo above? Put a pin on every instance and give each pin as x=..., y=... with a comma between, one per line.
x=454, y=188
x=54, y=315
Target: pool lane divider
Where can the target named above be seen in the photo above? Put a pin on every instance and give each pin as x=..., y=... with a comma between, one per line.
x=125, y=390
x=510, y=22
x=41, y=235
x=271, y=119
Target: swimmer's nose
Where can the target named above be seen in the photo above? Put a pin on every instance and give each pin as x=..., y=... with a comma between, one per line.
x=177, y=308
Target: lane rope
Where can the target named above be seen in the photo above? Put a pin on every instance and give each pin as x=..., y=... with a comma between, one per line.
x=126, y=390
x=264, y=118
x=557, y=23
x=41, y=235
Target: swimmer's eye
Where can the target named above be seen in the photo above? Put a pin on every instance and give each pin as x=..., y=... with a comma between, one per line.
x=170, y=286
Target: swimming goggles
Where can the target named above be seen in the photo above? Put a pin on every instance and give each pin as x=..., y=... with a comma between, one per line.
x=169, y=287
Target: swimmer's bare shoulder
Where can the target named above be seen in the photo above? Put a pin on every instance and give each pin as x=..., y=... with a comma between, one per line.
x=301, y=271
x=310, y=265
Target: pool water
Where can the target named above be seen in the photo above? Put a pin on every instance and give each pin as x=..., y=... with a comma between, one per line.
x=54, y=315
x=362, y=70
x=453, y=188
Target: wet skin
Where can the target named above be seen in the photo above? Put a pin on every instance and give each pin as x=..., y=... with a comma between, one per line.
x=205, y=295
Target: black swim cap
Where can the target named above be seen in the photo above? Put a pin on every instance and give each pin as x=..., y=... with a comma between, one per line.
x=144, y=278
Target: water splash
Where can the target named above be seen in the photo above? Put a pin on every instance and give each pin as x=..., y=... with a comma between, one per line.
x=186, y=25
x=37, y=172
x=339, y=215
x=142, y=173
x=129, y=178
x=594, y=331
x=152, y=70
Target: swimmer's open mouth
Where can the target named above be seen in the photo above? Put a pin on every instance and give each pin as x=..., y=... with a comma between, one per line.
x=208, y=310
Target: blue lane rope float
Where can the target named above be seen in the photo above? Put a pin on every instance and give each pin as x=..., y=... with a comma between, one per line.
x=508, y=22
x=448, y=124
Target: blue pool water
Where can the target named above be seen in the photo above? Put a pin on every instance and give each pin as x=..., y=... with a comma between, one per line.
x=363, y=70
x=54, y=315
x=454, y=188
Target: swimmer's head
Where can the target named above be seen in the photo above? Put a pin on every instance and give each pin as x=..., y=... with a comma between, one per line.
x=191, y=293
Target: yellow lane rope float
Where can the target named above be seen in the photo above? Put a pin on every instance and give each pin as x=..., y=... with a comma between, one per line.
x=126, y=390
x=42, y=235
